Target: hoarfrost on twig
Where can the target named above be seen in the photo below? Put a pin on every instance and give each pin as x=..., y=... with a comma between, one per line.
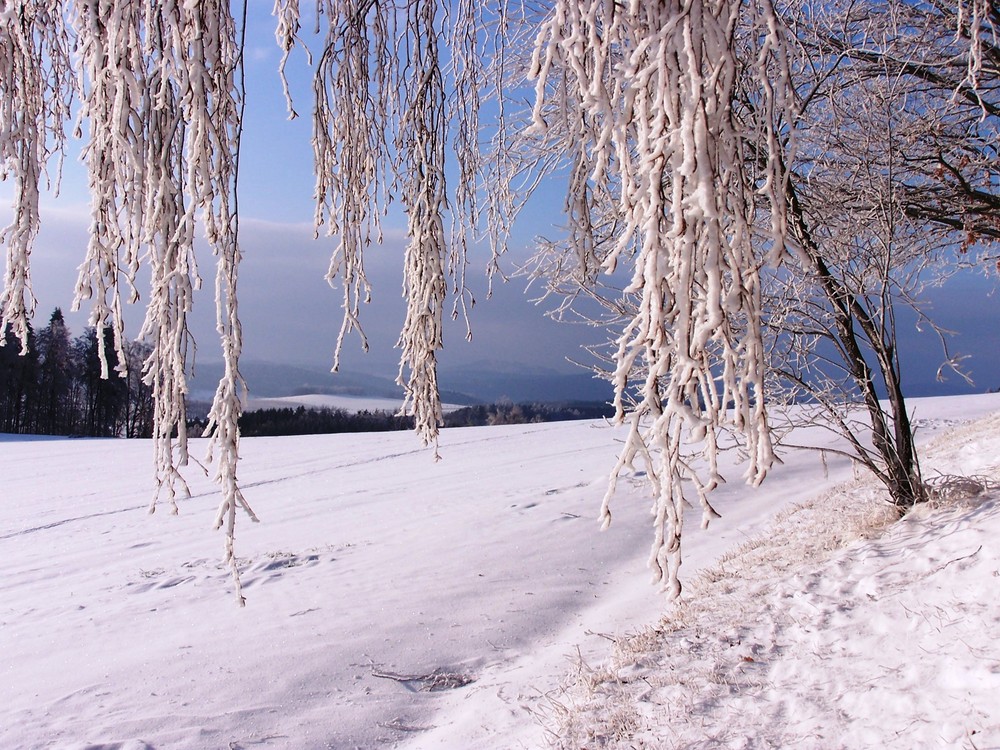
x=650, y=87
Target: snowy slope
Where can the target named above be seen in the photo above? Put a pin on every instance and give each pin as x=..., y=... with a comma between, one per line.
x=839, y=628
x=391, y=599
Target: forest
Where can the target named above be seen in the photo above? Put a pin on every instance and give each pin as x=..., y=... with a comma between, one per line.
x=324, y=421
x=57, y=387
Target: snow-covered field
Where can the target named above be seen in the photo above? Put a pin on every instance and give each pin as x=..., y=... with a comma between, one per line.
x=394, y=600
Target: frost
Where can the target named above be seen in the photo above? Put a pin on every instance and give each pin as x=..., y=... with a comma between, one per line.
x=159, y=86
x=35, y=93
x=638, y=100
x=381, y=129
x=654, y=84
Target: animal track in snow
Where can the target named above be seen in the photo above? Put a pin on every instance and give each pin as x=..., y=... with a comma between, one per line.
x=268, y=567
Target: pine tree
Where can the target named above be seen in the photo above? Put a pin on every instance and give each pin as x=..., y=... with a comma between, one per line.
x=104, y=399
x=53, y=414
x=18, y=382
x=139, y=403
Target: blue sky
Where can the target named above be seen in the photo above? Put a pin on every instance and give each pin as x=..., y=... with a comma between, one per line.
x=291, y=314
x=289, y=311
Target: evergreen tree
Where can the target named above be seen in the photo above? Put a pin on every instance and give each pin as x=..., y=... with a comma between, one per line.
x=54, y=414
x=139, y=398
x=104, y=400
x=18, y=381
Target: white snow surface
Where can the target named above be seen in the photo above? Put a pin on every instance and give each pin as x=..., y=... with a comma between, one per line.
x=468, y=603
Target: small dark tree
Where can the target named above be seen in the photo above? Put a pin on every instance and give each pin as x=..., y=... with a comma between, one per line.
x=53, y=414
x=104, y=399
x=139, y=400
x=18, y=382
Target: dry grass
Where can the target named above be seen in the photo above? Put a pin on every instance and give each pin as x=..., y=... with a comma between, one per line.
x=657, y=682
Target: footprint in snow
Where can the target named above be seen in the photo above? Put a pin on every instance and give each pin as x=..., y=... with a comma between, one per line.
x=270, y=567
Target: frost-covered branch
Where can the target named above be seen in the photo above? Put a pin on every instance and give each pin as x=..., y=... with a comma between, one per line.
x=158, y=86
x=114, y=101
x=350, y=147
x=421, y=140
x=649, y=88
x=35, y=94
x=173, y=280
x=671, y=119
x=214, y=108
x=382, y=128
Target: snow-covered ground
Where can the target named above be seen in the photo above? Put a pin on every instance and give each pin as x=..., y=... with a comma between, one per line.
x=840, y=628
x=394, y=600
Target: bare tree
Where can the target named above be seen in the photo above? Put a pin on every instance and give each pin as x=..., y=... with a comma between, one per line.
x=942, y=59
x=889, y=186
x=889, y=162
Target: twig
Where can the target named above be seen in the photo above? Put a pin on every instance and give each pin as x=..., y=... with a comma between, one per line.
x=957, y=559
x=431, y=682
x=399, y=726
x=602, y=635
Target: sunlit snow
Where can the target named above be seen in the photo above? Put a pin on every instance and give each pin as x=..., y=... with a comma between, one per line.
x=395, y=600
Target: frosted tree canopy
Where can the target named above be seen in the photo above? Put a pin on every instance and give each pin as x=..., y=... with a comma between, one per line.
x=638, y=98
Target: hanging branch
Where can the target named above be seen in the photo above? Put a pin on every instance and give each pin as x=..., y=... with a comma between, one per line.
x=421, y=142
x=214, y=104
x=159, y=90
x=465, y=19
x=351, y=118
x=113, y=102
x=651, y=87
x=35, y=95
x=645, y=92
x=381, y=128
x=173, y=279
x=976, y=22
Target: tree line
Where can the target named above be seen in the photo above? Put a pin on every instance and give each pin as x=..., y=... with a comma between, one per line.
x=56, y=387
x=322, y=421
x=507, y=412
x=311, y=421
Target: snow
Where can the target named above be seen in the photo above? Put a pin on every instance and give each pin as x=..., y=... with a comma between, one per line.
x=397, y=601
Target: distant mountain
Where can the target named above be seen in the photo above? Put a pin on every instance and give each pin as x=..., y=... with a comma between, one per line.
x=269, y=380
x=472, y=384
x=492, y=382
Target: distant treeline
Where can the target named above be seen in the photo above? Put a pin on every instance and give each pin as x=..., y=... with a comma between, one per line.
x=56, y=387
x=509, y=413
x=303, y=421
x=312, y=421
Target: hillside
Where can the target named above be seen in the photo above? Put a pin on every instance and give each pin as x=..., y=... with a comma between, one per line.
x=398, y=601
